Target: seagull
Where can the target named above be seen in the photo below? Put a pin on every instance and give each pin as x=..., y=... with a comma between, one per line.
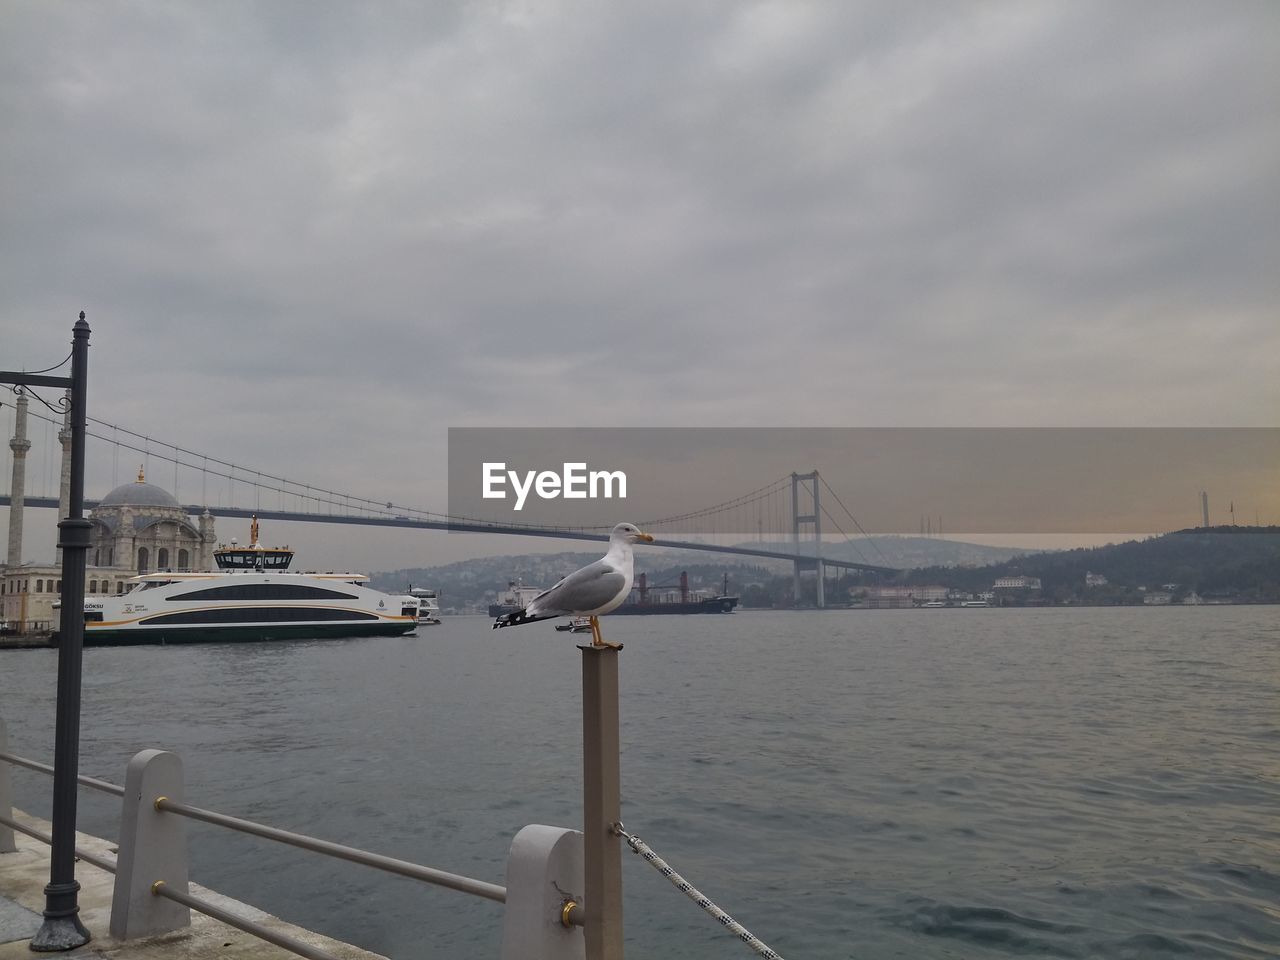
x=594, y=590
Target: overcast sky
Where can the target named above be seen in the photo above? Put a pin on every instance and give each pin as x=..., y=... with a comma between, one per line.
x=310, y=237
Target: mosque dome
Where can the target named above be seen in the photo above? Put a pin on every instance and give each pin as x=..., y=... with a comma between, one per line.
x=139, y=494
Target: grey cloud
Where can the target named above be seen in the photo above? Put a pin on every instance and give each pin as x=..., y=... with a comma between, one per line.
x=642, y=213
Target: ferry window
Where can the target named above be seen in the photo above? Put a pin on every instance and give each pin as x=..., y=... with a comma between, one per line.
x=261, y=615
x=264, y=591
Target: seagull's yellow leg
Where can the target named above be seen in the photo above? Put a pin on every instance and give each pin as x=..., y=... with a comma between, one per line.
x=599, y=641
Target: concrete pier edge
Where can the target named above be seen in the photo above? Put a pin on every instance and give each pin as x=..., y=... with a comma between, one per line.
x=24, y=874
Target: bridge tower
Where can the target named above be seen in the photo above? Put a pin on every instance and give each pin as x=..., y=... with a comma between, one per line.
x=805, y=485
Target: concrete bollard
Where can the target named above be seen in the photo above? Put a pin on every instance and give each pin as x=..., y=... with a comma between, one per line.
x=153, y=846
x=544, y=873
x=7, y=844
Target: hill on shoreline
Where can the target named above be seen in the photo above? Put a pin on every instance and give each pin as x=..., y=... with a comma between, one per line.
x=1242, y=563
x=1238, y=563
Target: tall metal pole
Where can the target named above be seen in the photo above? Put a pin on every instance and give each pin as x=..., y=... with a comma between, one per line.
x=602, y=804
x=62, y=929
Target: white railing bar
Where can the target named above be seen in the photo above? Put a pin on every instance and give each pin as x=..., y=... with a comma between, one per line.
x=161, y=889
x=91, y=782
x=477, y=888
x=102, y=863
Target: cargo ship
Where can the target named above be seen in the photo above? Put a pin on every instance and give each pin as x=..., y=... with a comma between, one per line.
x=644, y=599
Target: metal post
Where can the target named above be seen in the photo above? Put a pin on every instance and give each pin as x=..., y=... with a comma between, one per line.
x=7, y=844
x=62, y=929
x=602, y=805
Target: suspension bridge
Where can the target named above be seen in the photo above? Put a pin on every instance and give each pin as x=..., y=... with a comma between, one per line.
x=788, y=519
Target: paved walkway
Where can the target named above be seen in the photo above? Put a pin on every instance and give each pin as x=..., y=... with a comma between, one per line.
x=23, y=876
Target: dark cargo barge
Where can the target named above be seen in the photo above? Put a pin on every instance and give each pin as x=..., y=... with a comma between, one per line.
x=644, y=600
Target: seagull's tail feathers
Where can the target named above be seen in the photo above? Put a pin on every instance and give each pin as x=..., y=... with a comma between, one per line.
x=517, y=618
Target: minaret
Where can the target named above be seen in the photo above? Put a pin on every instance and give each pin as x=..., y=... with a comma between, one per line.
x=18, y=486
x=1204, y=506
x=207, y=538
x=64, y=484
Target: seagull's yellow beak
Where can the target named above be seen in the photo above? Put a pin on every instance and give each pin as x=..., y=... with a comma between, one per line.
x=645, y=537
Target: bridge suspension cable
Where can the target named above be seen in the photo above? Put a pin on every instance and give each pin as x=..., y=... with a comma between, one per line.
x=225, y=469
x=770, y=501
x=753, y=496
x=849, y=514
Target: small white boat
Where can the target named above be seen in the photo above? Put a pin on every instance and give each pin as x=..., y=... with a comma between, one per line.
x=428, y=604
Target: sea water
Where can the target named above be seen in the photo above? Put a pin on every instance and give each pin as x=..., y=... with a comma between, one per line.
x=959, y=783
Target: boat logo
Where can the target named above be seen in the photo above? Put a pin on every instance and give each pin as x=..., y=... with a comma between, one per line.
x=381, y=605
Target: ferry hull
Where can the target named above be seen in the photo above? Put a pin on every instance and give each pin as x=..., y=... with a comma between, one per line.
x=244, y=633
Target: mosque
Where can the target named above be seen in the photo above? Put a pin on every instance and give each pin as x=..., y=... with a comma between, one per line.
x=137, y=528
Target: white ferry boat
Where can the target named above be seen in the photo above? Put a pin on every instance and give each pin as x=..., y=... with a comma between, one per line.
x=428, y=604
x=251, y=596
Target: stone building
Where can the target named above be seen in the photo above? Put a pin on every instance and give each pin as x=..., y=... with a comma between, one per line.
x=137, y=528
x=141, y=528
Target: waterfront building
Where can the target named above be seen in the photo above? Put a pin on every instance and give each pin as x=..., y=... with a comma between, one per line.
x=896, y=598
x=1094, y=579
x=138, y=527
x=1017, y=583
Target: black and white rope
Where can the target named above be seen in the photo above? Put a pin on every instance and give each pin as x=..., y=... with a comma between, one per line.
x=697, y=896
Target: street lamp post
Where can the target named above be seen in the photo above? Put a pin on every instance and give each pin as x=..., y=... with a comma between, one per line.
x=62, y=929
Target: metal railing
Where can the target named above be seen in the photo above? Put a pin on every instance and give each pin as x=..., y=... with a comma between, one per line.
x=403, y=868
x=151, y=866
x=91, y=782
x=102, y=863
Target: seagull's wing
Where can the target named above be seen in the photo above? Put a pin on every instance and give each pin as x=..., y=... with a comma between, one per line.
x=583, y=590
